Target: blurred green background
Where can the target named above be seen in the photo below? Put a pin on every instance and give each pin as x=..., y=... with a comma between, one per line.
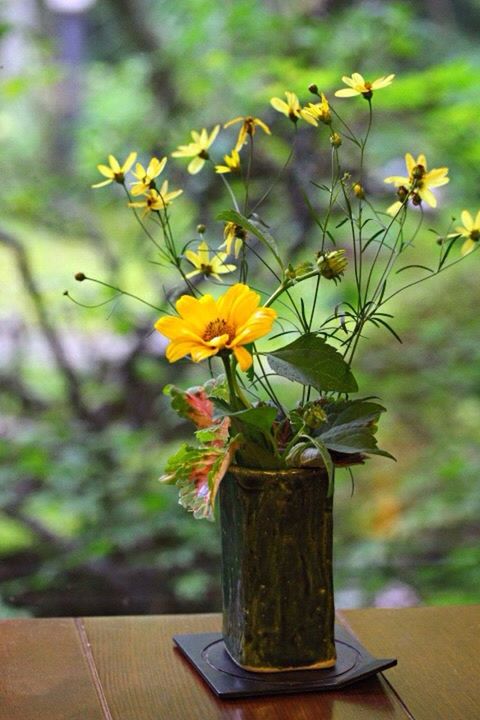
x=85, y=528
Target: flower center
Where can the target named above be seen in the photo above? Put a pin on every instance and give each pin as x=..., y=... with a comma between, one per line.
x=218, y=327
x=475, y=235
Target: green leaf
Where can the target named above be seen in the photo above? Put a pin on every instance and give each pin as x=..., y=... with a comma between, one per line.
x=254, y=228
x=311, y=361
x=351, y=427
x=261, y=417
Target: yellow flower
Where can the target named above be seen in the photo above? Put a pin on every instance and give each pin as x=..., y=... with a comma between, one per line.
x=235, y=235
x=145, y=177
x=198, y=149
x=470, y=230
x=291, y=108
x=359, y=86
x=114, y=172
x=232, y=163
x=156, y=199
x=249, y=126
x=418, y=183
x=209, y=266
x=317, y=111
x=206, y=327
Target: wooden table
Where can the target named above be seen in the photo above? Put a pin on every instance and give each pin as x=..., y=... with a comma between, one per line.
x=125, y=668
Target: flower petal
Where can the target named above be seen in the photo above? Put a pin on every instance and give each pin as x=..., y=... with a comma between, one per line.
x=106, y=171
x=195, y=165
x=428, y=196
x=467, y=220
x=243, y=358
x=346, y=92
x=102, y=183
x=129, y=162
x=410, y=162
x=467, y=246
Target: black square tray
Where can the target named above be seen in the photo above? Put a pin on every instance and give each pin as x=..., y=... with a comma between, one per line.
x=207, y=653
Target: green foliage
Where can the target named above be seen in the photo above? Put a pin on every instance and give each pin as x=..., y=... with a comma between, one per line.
x=311, y=361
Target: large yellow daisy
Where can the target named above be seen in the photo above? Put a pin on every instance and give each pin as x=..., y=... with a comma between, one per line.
x=204, y=327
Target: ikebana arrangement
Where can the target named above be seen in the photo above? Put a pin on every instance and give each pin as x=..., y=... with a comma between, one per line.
x=269, y=466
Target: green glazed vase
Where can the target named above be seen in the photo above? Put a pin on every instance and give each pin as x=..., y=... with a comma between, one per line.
x=276, y=528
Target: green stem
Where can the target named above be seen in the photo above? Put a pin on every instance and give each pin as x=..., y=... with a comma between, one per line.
x=237, y=398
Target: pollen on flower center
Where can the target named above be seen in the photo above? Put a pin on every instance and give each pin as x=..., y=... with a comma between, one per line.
x=218, y=327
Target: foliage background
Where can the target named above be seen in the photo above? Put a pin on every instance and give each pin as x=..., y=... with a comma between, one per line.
x=84, y=428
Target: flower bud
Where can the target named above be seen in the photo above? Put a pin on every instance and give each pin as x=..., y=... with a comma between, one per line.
x=402, y=193
x=358, y=191
x=416, y=199
x=314, y=415
x=332, y=264
x=80, y=276
x=201, y=229
x=335, y=140
x=313, y=88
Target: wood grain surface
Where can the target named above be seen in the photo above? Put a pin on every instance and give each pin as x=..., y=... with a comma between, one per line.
x=44, y=674
x=126, y=668
x=438, y=651
x=144, y=678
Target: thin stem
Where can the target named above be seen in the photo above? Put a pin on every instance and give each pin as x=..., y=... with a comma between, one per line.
x=122, y=292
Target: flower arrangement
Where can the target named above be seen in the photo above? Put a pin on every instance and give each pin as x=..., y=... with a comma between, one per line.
x=223, y=320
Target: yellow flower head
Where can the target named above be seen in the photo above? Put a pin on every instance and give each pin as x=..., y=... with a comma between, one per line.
x=114, y=172
x=209, y=266
x=146, y=177
x=470, y=231
x=234, y=236
x=156, y=199
x=205, y=327
x=291, y=108
x=418, y=183
x=198, y=149
x=232, y=163
x=248, y=127
x=357, y=85
x=313, y=112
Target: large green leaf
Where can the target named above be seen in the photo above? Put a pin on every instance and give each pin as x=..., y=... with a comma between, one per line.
x=311, y=361
x=261, y=417
x=351, y=427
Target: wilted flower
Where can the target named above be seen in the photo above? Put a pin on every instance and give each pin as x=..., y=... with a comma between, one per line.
x=335, y=140
x=332, y=264
x=249, y=126
x=313, y=112
x=234, y=236
x=232, y=163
